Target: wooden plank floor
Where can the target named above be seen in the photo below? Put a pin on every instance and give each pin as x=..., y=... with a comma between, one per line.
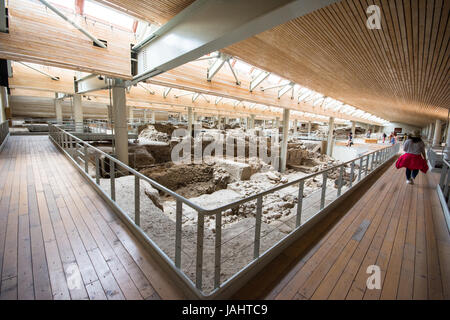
x=59, y=239
x=388, y=223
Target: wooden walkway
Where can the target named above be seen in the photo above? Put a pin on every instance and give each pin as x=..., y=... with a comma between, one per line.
x=59, y=239
x=388, y=223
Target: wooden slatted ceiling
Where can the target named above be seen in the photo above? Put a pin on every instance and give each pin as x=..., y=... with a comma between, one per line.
x=399, y=73
x=159, y=11
x=40, y=36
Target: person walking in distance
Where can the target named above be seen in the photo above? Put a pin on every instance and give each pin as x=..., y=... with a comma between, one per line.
x=350, y=140
x=414, y=158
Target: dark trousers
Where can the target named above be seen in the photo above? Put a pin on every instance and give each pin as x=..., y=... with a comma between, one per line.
x=412, y=173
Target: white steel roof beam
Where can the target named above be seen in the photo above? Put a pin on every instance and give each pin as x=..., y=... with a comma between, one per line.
x=40, y=71
x=147, y=89
x=82, y=30
x=195, y=31
x=234, y=73
x=166, y=92
x=285, y=89
x=258, y=80
x=215, y=67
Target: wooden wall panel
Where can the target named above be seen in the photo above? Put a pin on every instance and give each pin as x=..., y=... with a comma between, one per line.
x=38, y=35
x=43, y=107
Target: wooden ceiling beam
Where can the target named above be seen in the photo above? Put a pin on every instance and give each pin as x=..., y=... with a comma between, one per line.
x=26, y=79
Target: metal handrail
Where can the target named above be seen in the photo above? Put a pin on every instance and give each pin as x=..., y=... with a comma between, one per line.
x=4, y=131
x=66, y=140
x=224, y=207
x=132, y=171
x=443, y=190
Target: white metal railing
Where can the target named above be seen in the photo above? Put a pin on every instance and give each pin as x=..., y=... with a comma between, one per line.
x=4, y=132
x=87, y=159
x=443, y=189
x=436, y=156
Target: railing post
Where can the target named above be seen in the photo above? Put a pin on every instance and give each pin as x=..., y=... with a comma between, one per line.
x=199, y=266
x=77, y=156
x=258, y=219
x=137, y=202
x=324, y=189
x=300, y=203
x=112, y=177
x=360, y=168
x=445, y=190
x=86, y=157
x=178, y=224
x=97, y=168
x=218, y=249
x=341, y=175
x=443, y=174
x=367, y=165
x=373, y=161
x=69, y=144
x=352, y=172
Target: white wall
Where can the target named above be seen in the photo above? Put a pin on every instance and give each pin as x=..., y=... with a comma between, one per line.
x=406, y=128
x=345, y=154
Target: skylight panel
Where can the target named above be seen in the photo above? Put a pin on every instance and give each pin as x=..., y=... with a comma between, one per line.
x=109, y=15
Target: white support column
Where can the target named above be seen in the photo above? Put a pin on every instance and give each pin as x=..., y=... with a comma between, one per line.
x=153, y=116
x=120, y=122
x=445, y=132
x=264, y=124
x=447, y=146
x=284, y=142
x=309, y=128
x=252, y=121
x=194, y=120
x=277, y=123
x=78, y=112
x=330, y=136
x=58, y=110
x=180, y=117
x=3, y=103
x=295, y=126
x=353, y=129
x=430, y=132
x=189, y=121
x=437, y=133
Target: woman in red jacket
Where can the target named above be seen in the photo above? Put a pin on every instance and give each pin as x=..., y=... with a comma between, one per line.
x=414, y=159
